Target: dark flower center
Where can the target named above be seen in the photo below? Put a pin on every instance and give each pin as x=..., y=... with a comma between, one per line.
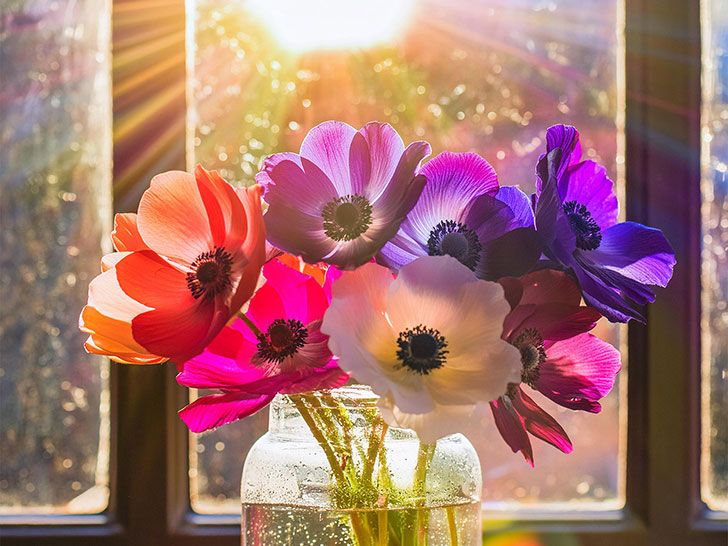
x=533, y=354
x=421, y=349
x=587, y=231
x=449, y=238
x=345, y=218
x=282, y=339
x=210, y=273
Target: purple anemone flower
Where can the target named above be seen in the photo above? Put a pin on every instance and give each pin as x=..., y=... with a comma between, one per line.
x=576, y=217
x=559, y=358
x=344, y=196
x=463, y=213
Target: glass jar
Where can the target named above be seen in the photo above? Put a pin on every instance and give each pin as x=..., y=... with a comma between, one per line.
x=330, y=472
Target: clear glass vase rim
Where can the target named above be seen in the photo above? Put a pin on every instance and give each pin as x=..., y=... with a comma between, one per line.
x=355, y=396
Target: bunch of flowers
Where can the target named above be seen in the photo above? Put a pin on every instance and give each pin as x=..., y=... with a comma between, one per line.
x=431, y=283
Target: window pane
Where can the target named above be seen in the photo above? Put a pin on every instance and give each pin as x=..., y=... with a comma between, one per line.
x=714, y=465
x=56, y=209
x=485, y=76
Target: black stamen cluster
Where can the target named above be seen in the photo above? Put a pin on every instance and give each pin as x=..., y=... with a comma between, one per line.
x=533, y=354
x=455, y=239
x=421, y=349
x=283, y=338
x=587, y=231
x=210, y=273
x=347, y=217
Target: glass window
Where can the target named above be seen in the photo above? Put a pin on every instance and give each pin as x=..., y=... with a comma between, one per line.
x=484, y=76
x=55, y=152
x=714, y=464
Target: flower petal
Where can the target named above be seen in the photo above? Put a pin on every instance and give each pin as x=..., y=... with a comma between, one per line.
x=297, y=233
x=212, y=371
x=519, y=203
x=539, y=423
x=511, y=255
x=126, y=234
x=453, y=181
x=216, y=410
x=399, y=251
x=608, y=301
x=328, y=146
x=549, y=286
x=253, y=247
x=108, y=317
x=555, y=321
x=298, y=183
x=578, y=372
x=180, y=332
x=404, y=189
x=173, y=219
x=431, y=426
x=587, y=184
x=565, y=138
x=386, y=148
x=636, y=251
x=511, y=428
x=551, y=222
x=323, y=379
x=151, y=280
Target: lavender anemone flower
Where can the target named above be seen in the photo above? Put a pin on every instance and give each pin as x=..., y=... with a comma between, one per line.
x=344, y=196
x=576, y=217
x=463, y=213
x=559, y=358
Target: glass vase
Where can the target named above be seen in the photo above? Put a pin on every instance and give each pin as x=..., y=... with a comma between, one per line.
x=330, y=472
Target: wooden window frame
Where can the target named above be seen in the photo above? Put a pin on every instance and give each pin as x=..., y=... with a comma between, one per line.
x=150, y=488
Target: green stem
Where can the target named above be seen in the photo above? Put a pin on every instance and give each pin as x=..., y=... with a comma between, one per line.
x=383, y=528
x=342, y=417
x=320, y=438
x=249, y=324
x=361, y=535
x=375, y=441
x=424, y=457
x=451, y=526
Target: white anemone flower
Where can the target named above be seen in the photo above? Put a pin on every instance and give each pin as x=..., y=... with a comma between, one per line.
x=428, y=342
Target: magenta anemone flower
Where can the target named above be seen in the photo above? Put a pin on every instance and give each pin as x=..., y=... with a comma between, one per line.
x=576, y=217
x=344, y=196
x=463, y=213
x=288, y=355
x=559, y=359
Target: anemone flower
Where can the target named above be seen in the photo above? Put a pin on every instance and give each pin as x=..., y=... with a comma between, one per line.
x=463, y=213
x=558, y=358
x=185, y=264
x=344, y=196
x=576, y=217
x=428, y=342
x=279, y=349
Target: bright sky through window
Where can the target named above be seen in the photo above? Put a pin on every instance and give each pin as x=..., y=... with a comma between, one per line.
x=306, y=25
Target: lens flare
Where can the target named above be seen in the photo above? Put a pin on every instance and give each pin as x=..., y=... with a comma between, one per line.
x=306, y=25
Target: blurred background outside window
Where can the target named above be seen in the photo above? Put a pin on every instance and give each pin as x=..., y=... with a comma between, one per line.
x=487, y=76
x=55, y=158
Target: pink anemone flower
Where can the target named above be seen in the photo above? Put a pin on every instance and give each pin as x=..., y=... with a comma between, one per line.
x=345, y=195
x=559, y=359
x=428, y=342
x=287, y=353
x=185, y=264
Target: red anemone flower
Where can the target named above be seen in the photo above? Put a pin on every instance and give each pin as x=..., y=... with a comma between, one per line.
x=559, y=359
x=185, y=264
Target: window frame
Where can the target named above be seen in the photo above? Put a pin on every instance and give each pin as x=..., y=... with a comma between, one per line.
x=149, y=478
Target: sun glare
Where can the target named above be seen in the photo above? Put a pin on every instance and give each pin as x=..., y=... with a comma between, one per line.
x=306, y=25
